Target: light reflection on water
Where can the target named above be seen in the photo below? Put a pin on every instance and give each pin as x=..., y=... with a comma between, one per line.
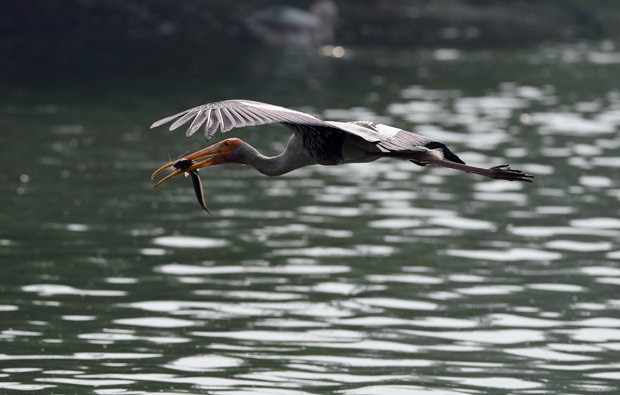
x=379, y=278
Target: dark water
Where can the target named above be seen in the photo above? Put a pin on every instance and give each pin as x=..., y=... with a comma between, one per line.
x=381, y=278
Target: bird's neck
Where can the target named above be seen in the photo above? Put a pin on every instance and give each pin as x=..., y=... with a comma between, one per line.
x=283, y=163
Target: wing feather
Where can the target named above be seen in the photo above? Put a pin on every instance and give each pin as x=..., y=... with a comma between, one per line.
x=171, y=117
x=266, y=115
x=254, y=118
x=220, y=118
x=229, y=114
x=229, y=118
x=239, y=121
x=201, y=117
x=181, y=121
x=211, y=126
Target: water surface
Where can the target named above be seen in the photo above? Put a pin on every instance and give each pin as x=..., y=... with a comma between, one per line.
x=381, y=278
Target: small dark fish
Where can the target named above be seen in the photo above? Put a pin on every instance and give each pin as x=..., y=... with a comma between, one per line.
x=200, y=195
x=183, y=164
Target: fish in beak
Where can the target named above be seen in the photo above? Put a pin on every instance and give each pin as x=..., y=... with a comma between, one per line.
x=189, y=165
x=210, y=156
x=200, y=195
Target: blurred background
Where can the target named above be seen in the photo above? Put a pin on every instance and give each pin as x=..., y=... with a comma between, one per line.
x=133, y=43
x=379, y=278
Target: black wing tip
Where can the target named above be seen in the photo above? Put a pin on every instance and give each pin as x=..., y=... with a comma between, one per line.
x=448, y=155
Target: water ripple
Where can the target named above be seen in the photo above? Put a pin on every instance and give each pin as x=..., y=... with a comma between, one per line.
x=500, y=336
x=374, y=278
x=507, y=383
x=56, y=289
x=513, y=254
x=400, y=390
x=202, y=363
x=155, y=322
x=189, y=242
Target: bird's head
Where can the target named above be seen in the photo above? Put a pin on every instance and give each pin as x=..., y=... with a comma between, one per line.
x=222, y=152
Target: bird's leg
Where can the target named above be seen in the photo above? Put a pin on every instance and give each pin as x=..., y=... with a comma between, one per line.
x=501, y=172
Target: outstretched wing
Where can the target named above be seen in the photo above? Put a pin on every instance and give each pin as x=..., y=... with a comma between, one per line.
x=391, y=139
x=230, y=114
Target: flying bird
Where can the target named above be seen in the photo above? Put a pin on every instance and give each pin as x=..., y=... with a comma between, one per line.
x=314, y=141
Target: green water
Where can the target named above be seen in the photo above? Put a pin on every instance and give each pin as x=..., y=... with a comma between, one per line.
x=381, y=278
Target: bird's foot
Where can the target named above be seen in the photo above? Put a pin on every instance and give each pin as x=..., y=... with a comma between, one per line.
x=504, y=172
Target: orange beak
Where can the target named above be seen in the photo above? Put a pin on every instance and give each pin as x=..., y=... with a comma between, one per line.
x=213, y=155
